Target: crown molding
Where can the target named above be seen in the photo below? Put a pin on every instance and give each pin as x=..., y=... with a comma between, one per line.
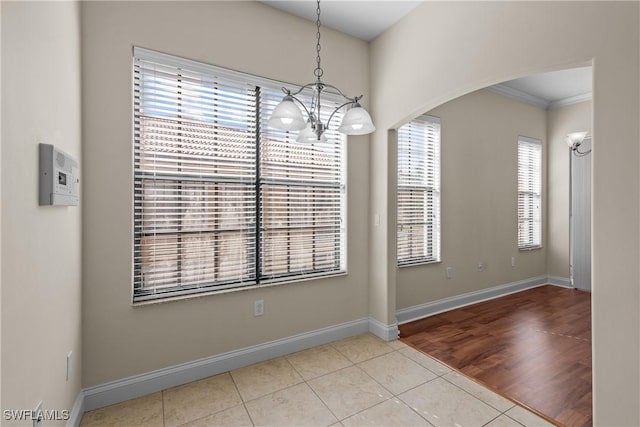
x=519, y=95
x=536, y=101
x=571, y=100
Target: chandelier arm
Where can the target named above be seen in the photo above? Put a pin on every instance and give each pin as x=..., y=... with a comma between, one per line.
x=354, y=99
x=301, y=103
x=336, y=110
x=308, y=85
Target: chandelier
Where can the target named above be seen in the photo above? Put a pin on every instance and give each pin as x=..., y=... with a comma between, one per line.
x=288, y=116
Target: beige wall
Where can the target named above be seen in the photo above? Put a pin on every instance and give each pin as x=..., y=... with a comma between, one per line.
x=41, y=252
x=120, y=340
x=560, y=122
x=479, y=199
x=40, y=299
x=1, y=134
x=497, y=41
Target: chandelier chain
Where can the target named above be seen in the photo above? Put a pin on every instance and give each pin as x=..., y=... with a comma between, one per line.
x=318, y=72
x=286, y=116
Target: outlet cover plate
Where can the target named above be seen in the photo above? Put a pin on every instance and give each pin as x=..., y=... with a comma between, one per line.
x=258, y=308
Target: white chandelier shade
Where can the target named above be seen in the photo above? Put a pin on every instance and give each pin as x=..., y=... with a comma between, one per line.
x=308, y=135
x=356, y=121
x=287, y=116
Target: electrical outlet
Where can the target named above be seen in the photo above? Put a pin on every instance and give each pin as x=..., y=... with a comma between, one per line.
x=449, y=272
x=37, y=415
x=258, y=308
x=69, y=366
x=513, y=261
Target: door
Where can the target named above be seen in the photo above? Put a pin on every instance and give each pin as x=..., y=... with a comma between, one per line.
x=580, y=228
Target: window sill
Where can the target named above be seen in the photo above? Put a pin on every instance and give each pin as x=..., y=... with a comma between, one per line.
x=532, y=248
x=265, y=284
x=413, y=264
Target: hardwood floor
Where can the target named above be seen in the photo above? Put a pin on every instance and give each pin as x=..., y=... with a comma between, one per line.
x=533, y=347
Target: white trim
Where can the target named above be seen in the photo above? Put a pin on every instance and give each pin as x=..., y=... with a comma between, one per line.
x=570, y=100
x=519, y=95
x=139, y=385
x=382, y=331
x=536, y=101
x=564, y=282
x=416, y=312
x=77, y=411
x=151, y=382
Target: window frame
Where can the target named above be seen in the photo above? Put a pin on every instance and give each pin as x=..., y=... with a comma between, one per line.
x=432, y=235
x=140, y=294
x=530, y=244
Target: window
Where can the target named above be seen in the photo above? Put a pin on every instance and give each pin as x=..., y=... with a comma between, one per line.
x=529, y=193
x=220, y=200
x=418, y=191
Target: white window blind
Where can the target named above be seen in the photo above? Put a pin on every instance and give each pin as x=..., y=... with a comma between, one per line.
x=529, y=193
x=220, y=201
x=418, y=191
x=302, y=192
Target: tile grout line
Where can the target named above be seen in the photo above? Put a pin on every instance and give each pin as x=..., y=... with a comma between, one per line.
x=353, y=364
x=393, y=395
x=164, y=422
x=244, y=404
x=323, y=402
x=515, y=403
x=311, y=388
x=362, y=370
x=437, y=376
x=476, y=397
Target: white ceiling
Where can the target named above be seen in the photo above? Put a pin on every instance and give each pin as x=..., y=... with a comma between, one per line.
x=367, y=19
x=552, y=89
x=555, y=85
x=359, y=18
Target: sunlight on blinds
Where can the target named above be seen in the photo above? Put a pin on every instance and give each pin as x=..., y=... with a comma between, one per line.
x=418, y=191
x=529, y=193
x=220, y=200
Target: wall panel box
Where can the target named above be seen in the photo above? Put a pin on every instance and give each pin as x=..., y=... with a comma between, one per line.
x=59, y=177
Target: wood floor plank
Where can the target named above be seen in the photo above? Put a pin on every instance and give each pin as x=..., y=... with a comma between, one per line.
x=533, y=347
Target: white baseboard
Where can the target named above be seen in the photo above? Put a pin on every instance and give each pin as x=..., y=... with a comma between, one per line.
x=151, y=382
x=416, y=312
x=76, y=412
x=382, y=331
x=564, y=282
x=139, y=385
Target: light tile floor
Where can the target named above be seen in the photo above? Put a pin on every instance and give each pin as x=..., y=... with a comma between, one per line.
x=359, y=381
